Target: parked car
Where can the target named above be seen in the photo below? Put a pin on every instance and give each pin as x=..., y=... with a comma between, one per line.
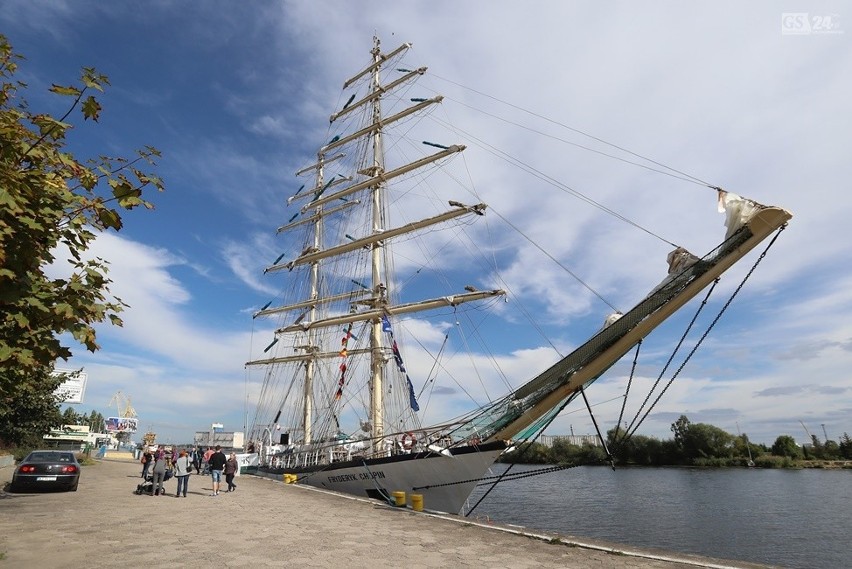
x=47, y=469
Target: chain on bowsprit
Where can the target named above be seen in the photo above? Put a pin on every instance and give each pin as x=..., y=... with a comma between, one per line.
x=507, y=476
x=742, y=283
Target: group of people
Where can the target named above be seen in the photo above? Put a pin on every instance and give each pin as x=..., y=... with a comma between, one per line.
x=160, y=464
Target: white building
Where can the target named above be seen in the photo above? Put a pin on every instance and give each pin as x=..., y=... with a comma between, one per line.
x=577, y=440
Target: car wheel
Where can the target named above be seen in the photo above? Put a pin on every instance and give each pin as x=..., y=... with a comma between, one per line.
x=74, y=488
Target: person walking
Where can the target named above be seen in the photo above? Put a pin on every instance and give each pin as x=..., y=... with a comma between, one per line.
x=146, y=460
x=159, y=472
x=182, y=470
x=231, y=468
x=196, y=459
x=205, y=460
x=217, y=465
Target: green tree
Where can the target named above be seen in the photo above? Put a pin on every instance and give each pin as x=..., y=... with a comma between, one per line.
x=700, y=441
x=669, y=453
x=743, y=448
x=814, y=451
x=845, y=447
x=94, y=420
x=70, y=417
x=561, y=451
x=51, y=200
x=29, y=409
x=97, y=423
x=535, y=453
x=785, y=445
x=680, y=428
x=636, y=449
x=646, y=450
x=830, y=450
x=589, y=454
x=708, y=441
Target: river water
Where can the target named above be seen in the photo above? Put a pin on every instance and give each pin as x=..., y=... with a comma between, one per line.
x=791, y=518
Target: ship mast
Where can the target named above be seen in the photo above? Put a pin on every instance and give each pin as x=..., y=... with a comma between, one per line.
x=374, y=300
x=308, y=405
x=376, y=194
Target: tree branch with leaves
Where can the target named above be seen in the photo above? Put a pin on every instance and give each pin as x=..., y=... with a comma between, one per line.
x=49, y=202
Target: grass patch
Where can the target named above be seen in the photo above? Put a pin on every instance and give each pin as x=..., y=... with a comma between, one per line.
x=86, y=460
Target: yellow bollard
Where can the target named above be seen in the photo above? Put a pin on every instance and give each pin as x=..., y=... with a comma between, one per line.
x=417, y=502
x=399, y=498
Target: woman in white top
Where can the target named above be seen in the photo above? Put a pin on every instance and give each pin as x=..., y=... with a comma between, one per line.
x=182, y=469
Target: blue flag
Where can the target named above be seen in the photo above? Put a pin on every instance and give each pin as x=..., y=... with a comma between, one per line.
x=411, y=398
x=386, y=327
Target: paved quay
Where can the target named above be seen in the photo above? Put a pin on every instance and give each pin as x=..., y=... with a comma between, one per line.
x=266, y=523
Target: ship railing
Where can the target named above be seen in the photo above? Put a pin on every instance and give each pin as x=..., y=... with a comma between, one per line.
x=438, y=438
x=441, y=437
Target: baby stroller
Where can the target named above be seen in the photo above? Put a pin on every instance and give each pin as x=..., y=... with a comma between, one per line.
x=148, y=486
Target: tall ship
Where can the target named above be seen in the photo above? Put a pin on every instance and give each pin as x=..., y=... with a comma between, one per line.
x=366, y=338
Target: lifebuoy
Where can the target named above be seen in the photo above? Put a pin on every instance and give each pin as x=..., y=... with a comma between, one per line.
x=408, y=440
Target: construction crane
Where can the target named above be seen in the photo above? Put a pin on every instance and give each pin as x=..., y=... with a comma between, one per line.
x=122, y=405
x=125, y=421
x=812, y=438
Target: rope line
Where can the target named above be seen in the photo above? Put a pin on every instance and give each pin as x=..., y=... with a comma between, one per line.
x=685, y=176
x=673, y=354
x=552, y=258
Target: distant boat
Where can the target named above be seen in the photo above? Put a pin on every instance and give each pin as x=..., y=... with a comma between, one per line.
x=337, y=407
x=750, y=462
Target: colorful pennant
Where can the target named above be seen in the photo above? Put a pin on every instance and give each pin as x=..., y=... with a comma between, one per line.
x=412, y=399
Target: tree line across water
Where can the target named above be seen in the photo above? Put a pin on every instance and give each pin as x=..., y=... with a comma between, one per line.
x=693, y=444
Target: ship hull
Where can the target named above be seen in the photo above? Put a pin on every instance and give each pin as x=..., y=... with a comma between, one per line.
x=445, y=482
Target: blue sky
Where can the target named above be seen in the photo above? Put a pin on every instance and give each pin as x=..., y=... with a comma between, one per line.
x=237, y=97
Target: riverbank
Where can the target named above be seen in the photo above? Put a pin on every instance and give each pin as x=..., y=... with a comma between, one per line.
x=777, y=463
x=826, y=464
x=268, y=523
